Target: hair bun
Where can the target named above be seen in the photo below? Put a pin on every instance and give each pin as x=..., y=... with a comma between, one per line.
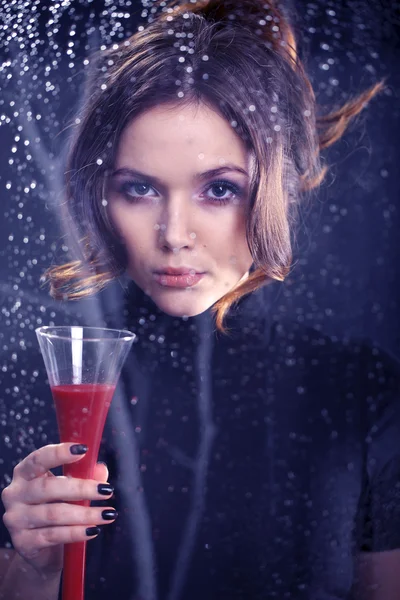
x=266, y=19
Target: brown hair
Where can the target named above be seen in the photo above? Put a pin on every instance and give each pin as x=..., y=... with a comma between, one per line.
x=247, y=48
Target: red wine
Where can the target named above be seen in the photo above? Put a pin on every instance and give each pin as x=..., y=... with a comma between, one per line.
x=81, y=414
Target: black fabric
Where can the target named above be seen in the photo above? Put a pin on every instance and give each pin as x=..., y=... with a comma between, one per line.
x=250, y=466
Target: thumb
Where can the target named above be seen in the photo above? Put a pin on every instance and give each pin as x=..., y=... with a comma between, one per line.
x=100, y=472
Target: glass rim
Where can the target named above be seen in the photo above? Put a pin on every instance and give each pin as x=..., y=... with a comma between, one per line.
x=46, y=330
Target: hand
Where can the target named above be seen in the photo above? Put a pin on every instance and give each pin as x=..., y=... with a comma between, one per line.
x=38, y=516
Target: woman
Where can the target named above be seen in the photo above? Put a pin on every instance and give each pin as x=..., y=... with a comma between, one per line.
x=254, y=459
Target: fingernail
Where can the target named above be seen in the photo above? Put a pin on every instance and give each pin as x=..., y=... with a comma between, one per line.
x=109, y=515
x=92, y=531
x=78, y=449
x=105, y=489
x=100, y=462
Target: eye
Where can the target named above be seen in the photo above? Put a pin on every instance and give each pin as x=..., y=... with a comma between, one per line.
x=218, y=192
x=136, y=189
x=220, y=189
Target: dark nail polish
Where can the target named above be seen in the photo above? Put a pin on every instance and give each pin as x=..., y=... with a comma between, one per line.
x=105, y=489
x=92, y=531
x=78, y=449
x=109, y=515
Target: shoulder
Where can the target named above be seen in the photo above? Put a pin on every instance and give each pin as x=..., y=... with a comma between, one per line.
x=356, y=377
x=26, y=402
x=374, y=365
x=27, y=415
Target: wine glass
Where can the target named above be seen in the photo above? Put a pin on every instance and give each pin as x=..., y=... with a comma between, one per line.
x=83, y=365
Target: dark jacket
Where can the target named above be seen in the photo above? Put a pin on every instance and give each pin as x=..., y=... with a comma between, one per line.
x=254, y=465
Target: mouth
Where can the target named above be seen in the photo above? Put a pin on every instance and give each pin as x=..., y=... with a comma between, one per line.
x=179, y=271
x=178, y=278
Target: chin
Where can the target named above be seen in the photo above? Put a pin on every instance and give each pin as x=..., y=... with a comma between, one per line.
x=182, y=308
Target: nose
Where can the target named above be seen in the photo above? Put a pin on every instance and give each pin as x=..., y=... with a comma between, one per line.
x=174, y=228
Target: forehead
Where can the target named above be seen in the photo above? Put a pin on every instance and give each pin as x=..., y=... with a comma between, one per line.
x=183, y=134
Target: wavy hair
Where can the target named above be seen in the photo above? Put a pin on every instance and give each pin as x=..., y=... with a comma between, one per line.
x=243, y=63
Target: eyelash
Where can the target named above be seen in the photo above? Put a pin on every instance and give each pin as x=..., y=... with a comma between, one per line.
x=222, y=201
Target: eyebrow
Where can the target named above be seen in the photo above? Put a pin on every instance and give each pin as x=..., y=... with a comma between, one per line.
x=198, y=177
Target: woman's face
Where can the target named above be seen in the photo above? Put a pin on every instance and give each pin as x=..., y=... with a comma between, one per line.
x=178, y=197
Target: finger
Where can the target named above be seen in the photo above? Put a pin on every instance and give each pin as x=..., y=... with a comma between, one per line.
x=57, y=514
x=48, y=457
x=61, y=488
x=34, y=540
x=15, y=492
x=100, y=472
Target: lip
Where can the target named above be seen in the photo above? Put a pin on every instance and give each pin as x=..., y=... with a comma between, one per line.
x=181, y=280
x=178, y=271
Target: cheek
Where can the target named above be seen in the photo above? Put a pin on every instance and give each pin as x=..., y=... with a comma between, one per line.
x=136, y=233
x=231, y=242
x=228, y=226
x=116, y=218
